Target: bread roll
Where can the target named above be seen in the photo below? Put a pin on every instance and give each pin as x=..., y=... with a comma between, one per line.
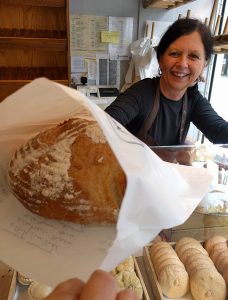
x=211, y=242
x=205, y=281
x=172, y=276
x=217, y=250
x=186, y=243
x=208, y=284
x=183, y=241
x=174, y=281
x=70, y=173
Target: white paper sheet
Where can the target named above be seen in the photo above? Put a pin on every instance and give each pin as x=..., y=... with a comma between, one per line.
x=158, y=195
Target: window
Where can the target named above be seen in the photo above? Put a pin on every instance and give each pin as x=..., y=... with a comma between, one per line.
x=225, y=65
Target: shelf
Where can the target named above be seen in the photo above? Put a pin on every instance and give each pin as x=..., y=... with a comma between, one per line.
x=23, y=82
x=221, y=43
x=7, y=87
x=31, y=72
x=167, y=4
x=49, y=44
x=34, y=42
x=47, y=3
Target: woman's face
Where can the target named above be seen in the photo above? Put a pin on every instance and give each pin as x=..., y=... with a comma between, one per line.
x=181, y=65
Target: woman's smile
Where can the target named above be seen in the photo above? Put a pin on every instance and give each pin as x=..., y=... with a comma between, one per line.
x=181, y=65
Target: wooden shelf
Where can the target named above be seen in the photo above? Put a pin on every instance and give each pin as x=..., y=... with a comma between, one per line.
x=164, y=4
x=48, y=44
x=23, y=82
x=221, y=43
x=7, y=87
x=47, y=3
x=34, y=42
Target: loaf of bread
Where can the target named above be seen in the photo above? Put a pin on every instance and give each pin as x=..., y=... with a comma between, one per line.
x=70, y=173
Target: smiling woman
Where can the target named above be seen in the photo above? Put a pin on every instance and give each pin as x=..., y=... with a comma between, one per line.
x=182, y=64
x=159, y=110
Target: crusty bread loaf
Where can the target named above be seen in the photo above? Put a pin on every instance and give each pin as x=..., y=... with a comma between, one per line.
x=70, y=173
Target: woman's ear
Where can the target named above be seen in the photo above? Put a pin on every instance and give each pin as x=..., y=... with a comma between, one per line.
x=201, y=78
x=206, y=63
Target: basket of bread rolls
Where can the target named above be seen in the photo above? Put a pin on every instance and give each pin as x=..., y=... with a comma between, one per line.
x=188, y=269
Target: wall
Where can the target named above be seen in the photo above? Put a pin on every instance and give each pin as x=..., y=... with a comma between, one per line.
x=115, y=8
x=199, y=9
x=134, y=8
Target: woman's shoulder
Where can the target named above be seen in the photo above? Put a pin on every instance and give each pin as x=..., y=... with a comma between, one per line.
x=146, y=84
x=194, y=93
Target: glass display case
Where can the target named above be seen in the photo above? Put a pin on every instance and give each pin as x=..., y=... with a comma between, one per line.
x=210, y=216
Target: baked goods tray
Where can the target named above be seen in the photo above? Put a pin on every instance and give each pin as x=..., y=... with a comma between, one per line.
x=22, y=289
x=7, y=282
x=152, y=278
x=142, y=275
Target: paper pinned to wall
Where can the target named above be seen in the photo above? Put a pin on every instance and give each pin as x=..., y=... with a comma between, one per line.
x=96, y=35
x=108, y=71
x=85, y=32
x=124, y=25
x=110, y=37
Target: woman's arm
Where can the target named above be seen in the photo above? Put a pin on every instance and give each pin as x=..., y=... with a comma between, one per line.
x=206, y=119
x=133, y=104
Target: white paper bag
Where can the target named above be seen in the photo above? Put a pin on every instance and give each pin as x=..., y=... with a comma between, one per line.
x=158, y=195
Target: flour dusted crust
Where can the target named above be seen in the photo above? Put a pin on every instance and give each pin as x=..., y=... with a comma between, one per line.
x=70, y=173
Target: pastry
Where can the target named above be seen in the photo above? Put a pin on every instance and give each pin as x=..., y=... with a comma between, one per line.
x=171, y=274
x=207, y=284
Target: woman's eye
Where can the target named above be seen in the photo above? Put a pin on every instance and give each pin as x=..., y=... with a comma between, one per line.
x=194, y=56
x=174, y=54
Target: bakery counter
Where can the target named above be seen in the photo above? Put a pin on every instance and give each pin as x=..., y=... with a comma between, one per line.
x=23, y=288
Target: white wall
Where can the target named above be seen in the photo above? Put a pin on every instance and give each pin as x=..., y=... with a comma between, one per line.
x=116, y=8
x=199, y=9
x=134, y=8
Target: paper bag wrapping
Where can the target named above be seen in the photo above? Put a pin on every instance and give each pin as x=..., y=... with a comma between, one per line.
x=158, y=195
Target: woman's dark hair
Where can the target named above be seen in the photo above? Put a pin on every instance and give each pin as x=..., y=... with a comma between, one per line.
x=185, y=26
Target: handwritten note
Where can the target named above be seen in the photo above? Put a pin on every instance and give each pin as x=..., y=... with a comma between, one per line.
x=31, y=230
x=50, y=236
